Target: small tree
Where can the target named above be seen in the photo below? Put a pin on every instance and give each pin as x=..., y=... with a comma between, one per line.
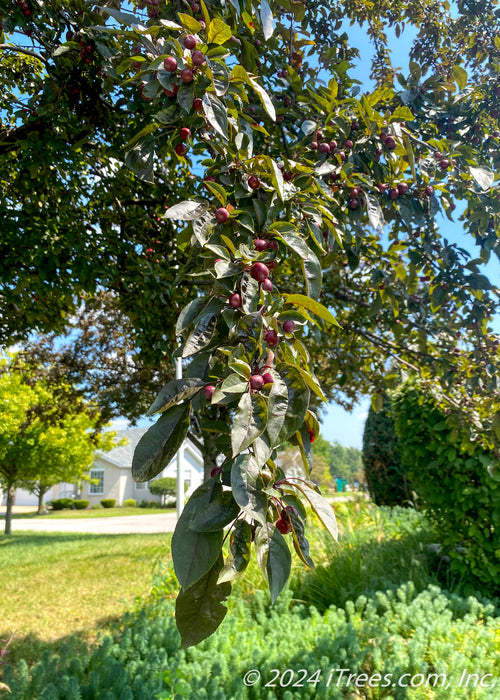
x=385, y=474
x=43, y=438
x=165, y=486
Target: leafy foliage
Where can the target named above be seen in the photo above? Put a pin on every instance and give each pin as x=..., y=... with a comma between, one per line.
x=456, y=479
x=45, y=437
x=385, y=473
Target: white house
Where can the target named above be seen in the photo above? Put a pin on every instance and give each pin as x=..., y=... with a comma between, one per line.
x=113, y=472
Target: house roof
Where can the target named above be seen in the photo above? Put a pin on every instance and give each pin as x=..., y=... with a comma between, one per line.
x=122, y=454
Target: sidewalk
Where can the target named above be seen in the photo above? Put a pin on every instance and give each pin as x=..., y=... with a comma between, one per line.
x=122, y=525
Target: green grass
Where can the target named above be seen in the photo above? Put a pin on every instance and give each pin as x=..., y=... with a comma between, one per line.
x=55, y=585
x=96, y=513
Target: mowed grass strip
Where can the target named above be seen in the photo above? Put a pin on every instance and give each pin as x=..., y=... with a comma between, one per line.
x=55, y=585
x=91, y=513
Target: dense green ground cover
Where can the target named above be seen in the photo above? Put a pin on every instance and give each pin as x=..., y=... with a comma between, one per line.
x=379, y=603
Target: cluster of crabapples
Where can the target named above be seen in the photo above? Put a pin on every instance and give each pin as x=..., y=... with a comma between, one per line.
x=25, y=9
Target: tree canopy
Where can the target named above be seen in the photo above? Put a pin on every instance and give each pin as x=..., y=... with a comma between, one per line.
x=45, y=436
x=301, y=228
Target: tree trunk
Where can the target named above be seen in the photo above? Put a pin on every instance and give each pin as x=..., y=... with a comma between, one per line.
x=40, y=493
x=11, y=490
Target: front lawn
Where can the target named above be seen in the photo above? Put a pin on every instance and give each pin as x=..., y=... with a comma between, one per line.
x=55, y=585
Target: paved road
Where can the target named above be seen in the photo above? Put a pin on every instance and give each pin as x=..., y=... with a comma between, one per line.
x=125, y=524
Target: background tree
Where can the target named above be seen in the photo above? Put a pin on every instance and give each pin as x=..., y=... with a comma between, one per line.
x=165, y=487
x=386, y=474
x=44, y=439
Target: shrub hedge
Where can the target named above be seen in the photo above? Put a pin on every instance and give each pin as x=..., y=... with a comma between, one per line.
x=457, y=482
x=130, y=503
x=63, y=503
x=108, y=502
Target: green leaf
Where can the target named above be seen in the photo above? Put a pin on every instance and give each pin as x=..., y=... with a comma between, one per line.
x=483, y=176
x=216, y=114
x=460, y=76
x=277, y=178
x=123, y=17
x=249, y=422
x=201, y=335
x=240, y=547
x=185, y=97
x=140, y=160
x=216, y=515
x=247, y=485
x=274, y=558
x=266, y=18
x=194, y=553
x=321, y=508
x=298, y=400
x=277, y=407
x=234, y=384
x=311, y=270
x=218, y=32
x=199, y=610
x=374, y=211
x=158, y=446
x=189, y=23
x=189, y=313
x=311, y=305
x=220, y=76
x=186, y=211
x=264, y=98
x=176, y=391
x=240, y=367
x=300, y=541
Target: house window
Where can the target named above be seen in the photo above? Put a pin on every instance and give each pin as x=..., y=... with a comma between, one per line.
x=187, y=477
x=97, y=489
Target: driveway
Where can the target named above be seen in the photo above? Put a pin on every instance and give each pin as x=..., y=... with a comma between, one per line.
x=122, y=525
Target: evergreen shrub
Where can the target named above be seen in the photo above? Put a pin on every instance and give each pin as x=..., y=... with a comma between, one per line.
x=63, y=503
x=81, y=504
x=130, y=503
x=108, y=502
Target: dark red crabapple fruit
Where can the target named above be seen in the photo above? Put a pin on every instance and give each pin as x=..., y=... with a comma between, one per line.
x=185, y=133
x=259, y=271
x=189, y=42
x=209, y=390
x=198, y=104
x=170, y=64
x=187, y=75
x=402, y=188
x=268, y=378
x=267, y=285
x=235, y=300
x=260, y=244
x=271, y=338
x=221, y=214
x=289, y=326
x=283, y=526
x=199, y=58
x=181, y=149
x=253, y=182
x=256, y=382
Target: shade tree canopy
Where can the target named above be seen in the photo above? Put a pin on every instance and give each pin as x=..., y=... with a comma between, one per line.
x=309, y=246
